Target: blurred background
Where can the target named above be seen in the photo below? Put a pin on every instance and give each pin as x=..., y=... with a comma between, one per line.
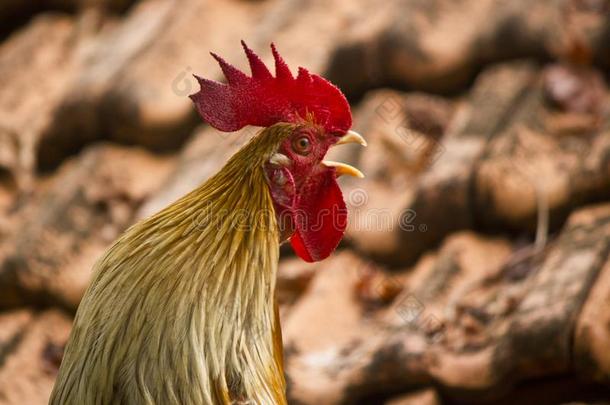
x=475, y=267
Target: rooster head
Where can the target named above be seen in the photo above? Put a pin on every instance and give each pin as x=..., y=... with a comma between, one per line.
x=310, y=115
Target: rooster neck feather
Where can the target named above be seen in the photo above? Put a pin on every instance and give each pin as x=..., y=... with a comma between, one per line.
x=181, y=308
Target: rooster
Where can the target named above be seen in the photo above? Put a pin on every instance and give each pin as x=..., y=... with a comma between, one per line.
x=181, y=309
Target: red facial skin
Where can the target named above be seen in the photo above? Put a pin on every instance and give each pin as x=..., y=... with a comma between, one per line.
x=309, y=204
x=307, y=161
x=308, y=201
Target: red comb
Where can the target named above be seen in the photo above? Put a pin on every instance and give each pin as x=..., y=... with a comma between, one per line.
x=263, y=100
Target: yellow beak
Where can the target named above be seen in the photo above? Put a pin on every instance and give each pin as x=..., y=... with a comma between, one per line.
x=343, y=168
x=352, y=137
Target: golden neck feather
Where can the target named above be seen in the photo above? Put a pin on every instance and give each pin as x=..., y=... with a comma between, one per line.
x=181, y=309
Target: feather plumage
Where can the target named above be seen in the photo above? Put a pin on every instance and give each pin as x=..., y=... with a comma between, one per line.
x=180, y=310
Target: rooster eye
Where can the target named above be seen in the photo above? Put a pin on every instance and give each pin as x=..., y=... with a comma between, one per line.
x=302, y=145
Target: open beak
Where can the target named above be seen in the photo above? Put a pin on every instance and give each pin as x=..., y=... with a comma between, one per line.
x=351, y=137
x=343, y=168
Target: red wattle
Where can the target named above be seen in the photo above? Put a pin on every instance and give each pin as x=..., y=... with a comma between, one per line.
x=298, y=245
x=320, y=217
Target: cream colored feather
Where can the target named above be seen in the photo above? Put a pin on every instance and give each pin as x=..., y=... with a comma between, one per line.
x=181, y=308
